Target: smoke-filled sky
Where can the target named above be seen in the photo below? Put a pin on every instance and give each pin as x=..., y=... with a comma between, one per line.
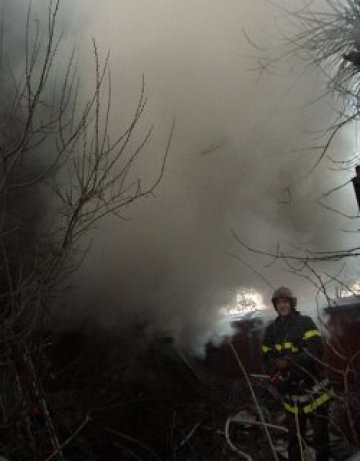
x=235, y=150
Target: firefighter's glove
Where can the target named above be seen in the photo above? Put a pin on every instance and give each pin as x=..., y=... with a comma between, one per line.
x=284, y=382
x=280, y=380
x=275, y=378
x=281, y=363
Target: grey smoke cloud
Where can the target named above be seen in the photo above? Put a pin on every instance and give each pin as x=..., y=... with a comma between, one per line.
x=231, y=160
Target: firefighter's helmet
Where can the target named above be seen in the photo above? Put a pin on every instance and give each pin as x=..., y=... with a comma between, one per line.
x=284, y=292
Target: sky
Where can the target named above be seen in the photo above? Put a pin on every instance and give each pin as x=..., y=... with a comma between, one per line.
x=240, y=141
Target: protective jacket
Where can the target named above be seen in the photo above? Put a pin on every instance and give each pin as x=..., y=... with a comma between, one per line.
x=296, y=338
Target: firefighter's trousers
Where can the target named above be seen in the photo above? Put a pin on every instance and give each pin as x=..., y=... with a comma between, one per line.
x=296, y=424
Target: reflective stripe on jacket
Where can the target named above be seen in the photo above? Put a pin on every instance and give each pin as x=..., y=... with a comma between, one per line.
x=312, y=405
x=311, y=400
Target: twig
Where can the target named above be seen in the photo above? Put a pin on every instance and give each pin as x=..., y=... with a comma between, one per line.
x=258, y=408
x=236, y=419
x=242, y=454
x=135, y=441
x=69, y=439
x=190, y=434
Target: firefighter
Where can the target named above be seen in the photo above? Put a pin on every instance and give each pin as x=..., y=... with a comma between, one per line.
x=292, y=351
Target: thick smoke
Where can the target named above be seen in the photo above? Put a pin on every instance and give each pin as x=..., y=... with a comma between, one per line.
x=240, y=131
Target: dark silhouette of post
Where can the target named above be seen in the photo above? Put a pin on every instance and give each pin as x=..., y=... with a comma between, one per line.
x=356, y=183
x=2, y=25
